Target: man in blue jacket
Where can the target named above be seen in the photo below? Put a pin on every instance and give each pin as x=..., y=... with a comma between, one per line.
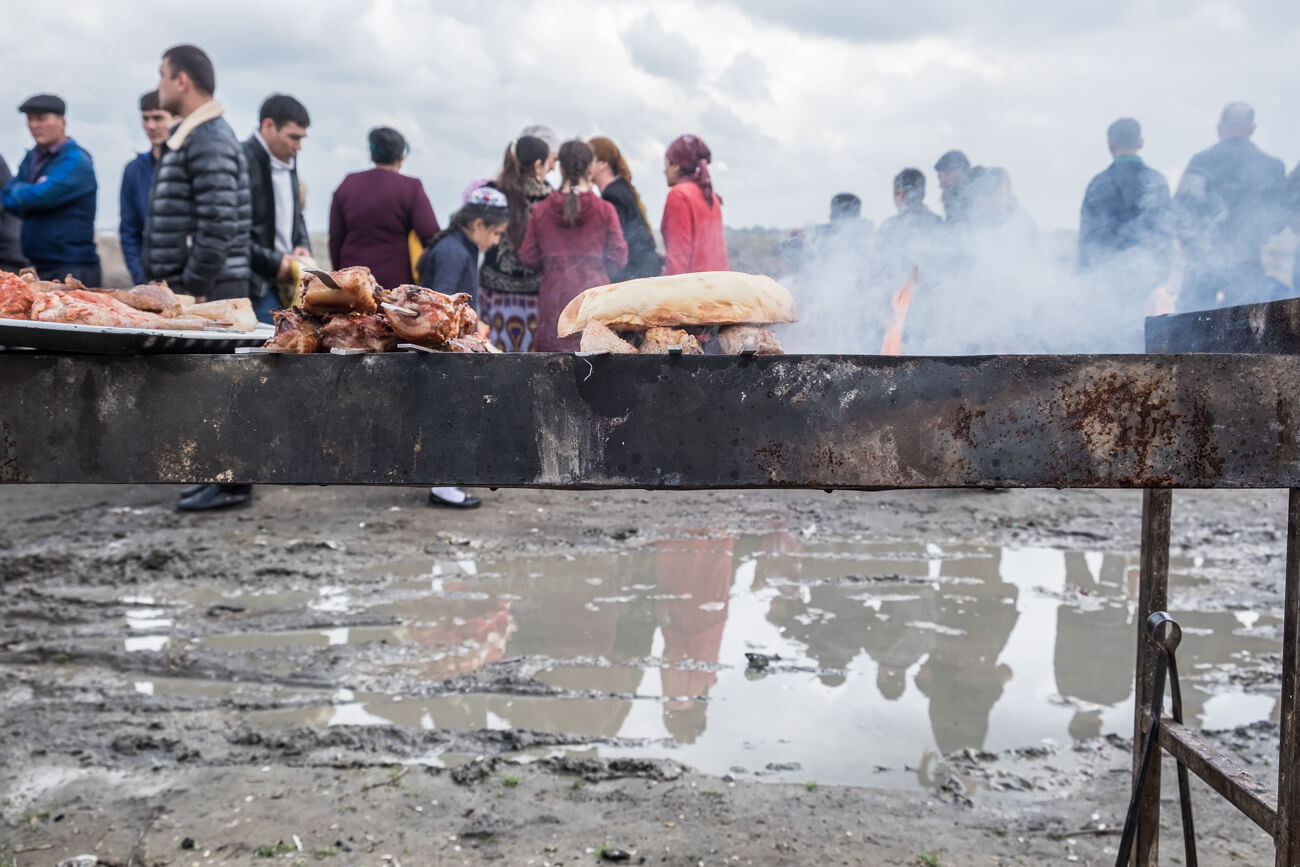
x=53, y=193
x=136, y=180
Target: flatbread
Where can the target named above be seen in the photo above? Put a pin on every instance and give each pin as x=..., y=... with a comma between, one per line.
x=706, y=298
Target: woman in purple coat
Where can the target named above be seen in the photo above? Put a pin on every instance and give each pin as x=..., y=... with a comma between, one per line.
x=374, y=212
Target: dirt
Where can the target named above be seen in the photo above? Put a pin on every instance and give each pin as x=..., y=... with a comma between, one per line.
x=347, y=676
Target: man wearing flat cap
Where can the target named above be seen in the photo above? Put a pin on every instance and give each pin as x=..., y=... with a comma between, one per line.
x=53, y=193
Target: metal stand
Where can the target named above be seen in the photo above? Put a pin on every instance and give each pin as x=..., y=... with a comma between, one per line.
x=1278, y=815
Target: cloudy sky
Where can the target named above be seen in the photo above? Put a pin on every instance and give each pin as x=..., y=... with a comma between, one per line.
x=797, y=100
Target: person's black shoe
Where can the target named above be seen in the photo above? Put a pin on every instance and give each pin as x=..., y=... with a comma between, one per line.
x=467, y=503
x=191, y=490
x=211, y=497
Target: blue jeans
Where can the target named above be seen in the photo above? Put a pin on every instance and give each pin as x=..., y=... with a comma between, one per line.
x=264, y=305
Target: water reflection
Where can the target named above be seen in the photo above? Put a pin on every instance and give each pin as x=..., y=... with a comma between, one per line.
x=892, y=654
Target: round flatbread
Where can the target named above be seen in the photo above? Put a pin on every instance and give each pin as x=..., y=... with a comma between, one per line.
x=706, y=298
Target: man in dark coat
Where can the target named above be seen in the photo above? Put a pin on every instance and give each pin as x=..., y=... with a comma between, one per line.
x=955, y=175
x=196, y=237
x=1230, y=201
x=54, y=194
x=1125, y=237
x=279, y=231
x=11, y=245
x=1293, y=185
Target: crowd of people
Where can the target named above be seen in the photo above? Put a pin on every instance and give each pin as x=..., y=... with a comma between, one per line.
x=219, y=218
x=982, y=261
x=216, y=217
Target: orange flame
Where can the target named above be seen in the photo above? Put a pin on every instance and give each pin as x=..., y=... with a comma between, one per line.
x=893, y=342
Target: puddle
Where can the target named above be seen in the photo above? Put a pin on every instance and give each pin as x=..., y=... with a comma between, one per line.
x=892, y=655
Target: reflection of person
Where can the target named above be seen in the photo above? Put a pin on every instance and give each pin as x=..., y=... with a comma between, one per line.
x=692, y=627
x=962, y=676
x=562, y=616
x=882, y=628
x=1094, y=648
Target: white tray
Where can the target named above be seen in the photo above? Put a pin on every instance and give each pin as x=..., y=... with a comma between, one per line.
x=94, y=339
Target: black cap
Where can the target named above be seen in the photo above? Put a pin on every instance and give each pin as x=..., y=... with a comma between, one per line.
x=952, y=160
x=44, y=103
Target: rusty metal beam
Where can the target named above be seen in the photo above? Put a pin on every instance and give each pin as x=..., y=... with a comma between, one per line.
x=655, y=421
x=1246, y=793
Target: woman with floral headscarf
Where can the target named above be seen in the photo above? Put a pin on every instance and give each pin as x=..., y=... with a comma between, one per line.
x=692, y=225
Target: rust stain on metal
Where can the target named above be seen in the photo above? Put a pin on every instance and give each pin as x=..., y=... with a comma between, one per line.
x=960, y=424
x=1118, y=416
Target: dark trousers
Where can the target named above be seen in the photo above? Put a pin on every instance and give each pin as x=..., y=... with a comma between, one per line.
x=89, y=274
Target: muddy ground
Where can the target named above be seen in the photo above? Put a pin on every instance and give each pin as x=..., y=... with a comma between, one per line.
x=347, y=676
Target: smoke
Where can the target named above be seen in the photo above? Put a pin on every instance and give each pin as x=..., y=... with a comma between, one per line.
x=992, y=283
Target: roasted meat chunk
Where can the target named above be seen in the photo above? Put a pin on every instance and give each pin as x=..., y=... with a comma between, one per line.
x=357, y=293
x=469, y=343
x=353, y=331
x=295, y=332
x=151, y=298
x=657, y=341
x=428, y=318
x=599, y=337
x=734, y=338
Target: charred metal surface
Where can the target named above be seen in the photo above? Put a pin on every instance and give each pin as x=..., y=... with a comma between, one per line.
x=655, y=422
x=1272, y=328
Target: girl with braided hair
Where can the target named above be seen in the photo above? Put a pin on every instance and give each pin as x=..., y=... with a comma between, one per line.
x=575, y=240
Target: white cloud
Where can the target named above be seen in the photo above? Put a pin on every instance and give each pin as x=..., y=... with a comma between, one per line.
x=796, y=105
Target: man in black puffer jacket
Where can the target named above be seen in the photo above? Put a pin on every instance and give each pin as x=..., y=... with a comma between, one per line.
x=196, y=236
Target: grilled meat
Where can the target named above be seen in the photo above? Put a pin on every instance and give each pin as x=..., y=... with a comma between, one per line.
x=357, y=293
x=295, y=332
x=370, y=332
x=431, y=318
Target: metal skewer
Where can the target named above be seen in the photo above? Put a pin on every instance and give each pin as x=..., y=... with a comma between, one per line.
x=397, y=308
x=324, y=276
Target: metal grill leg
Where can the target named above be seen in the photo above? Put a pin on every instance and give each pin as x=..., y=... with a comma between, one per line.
x=1288, y=775
x=1153, y=596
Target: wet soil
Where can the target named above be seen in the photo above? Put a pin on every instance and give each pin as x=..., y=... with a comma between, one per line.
x=347, y=676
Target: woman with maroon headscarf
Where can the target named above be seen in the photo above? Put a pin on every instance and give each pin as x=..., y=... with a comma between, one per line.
x=692, y=226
